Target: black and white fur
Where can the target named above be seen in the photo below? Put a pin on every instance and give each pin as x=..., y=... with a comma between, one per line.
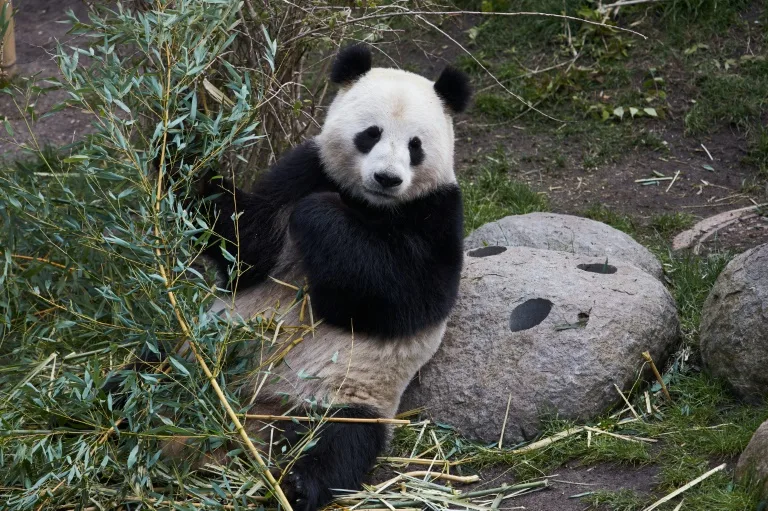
x=368, y=215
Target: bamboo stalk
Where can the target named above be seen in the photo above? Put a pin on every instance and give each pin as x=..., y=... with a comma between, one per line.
x=40, y=259
x=351, y=420
x=282, y=499
x=647, y=356
x=8, y=44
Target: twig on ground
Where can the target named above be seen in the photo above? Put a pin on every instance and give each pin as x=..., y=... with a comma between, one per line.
x=504, y=425
x=549, y=440
x=620, y=437
x=626, y=401
x=622, y=3
x=684, y=488
x=432, y=475
x=677, y=174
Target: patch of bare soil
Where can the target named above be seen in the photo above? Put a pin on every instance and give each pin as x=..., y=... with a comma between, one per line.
x=569, y=481
x=38, y=29
x=704, y=186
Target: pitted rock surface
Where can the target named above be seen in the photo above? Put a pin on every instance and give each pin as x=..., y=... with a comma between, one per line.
x=565, y=233
x=551, y=332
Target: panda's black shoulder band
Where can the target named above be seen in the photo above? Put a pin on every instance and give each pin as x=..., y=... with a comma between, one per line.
x=453, y=88
x=389, y=273
x=351, y=63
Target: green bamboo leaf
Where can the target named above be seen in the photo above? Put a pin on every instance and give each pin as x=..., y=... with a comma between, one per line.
x=133, y=456
x=178, y=366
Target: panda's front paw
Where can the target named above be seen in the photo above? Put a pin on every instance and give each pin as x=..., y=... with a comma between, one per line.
x=304, y=491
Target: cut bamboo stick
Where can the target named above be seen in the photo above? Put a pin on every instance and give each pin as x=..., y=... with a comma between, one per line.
x=647, y=356
x=621, y=437
x=684, y=488
x=431, y=475
x=626, y=401
x=549, y=440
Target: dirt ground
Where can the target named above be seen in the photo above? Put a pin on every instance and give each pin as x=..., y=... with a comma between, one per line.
x=39, y=28
x=570, y=188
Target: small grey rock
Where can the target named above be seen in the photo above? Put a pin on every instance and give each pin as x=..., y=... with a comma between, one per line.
x=580, y=326
x=565, y=233
x=734, y=325
x=753, y=462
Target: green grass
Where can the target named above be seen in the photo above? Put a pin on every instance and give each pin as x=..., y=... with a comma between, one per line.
x=704, y=424
x=737, y=97
x=758, y=151
x=667, y=224
x=622, y=500
x=491, y=194
x=606, y=215
x=691, y=279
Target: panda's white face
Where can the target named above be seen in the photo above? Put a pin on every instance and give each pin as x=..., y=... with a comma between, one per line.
x=388, y=138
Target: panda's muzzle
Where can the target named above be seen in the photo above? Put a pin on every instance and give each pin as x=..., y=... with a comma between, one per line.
x=387, y=180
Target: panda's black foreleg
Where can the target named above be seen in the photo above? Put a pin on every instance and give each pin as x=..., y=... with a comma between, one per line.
x=339, y=459
x=250, y=224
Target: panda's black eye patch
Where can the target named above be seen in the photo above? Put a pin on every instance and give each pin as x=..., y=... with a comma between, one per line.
x=366, y=139
x=417, y=153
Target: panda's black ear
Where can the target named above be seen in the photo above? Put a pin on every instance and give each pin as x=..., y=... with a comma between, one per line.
x=351, y=63
x=453, y=88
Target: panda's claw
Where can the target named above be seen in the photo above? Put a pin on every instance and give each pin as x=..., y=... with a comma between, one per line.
x=302, y=492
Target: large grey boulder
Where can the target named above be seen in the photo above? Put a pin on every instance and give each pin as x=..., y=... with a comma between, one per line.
x=551, y=332
x=565, y=233
x=734, y=325
x=753, y=462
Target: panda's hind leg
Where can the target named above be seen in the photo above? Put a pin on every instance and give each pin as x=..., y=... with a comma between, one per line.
x=343, y=452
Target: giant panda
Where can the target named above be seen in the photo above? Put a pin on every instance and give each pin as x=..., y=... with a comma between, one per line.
x=367, y=216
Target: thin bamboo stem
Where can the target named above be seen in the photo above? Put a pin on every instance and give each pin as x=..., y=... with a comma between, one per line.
x=351, y=420
x=183, y=323
x=684, y=488
x=431, y=475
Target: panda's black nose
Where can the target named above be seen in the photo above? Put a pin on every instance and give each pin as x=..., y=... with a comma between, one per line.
x=387, y=180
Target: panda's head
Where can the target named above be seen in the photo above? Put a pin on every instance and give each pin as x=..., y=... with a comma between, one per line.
x=388, y=134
